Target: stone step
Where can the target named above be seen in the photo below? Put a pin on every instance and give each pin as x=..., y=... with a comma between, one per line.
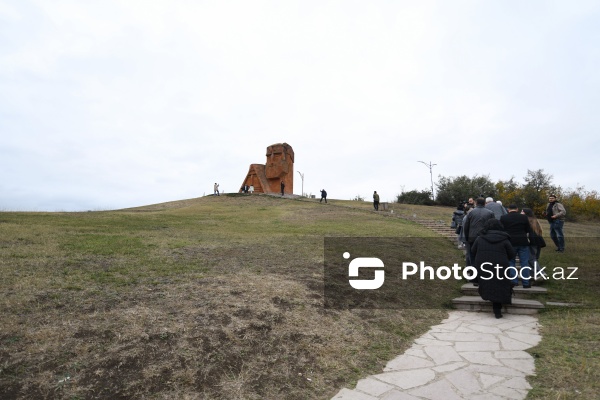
x=518, y=306
x=469, y=289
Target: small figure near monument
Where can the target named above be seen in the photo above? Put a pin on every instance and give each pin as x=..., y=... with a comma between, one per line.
x=216, y=189
x=323, y=195
x=282, y=187
x=376, y=201
x=251, y=189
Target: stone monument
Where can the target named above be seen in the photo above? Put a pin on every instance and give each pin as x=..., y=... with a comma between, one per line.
x=267, y=178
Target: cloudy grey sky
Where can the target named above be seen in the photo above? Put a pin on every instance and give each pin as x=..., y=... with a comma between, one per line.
x=111, y=104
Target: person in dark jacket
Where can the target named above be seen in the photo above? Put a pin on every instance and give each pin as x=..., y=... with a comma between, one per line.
x=517, y=226
x=323, y=196
x=375, y=200
x=473, y=224
x=457, y=220
x=493, y=252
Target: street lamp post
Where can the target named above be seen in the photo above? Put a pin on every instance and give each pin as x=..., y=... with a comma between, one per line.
x=302, y=176
x=430, y=166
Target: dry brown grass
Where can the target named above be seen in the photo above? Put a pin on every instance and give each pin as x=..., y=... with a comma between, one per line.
x=213, y=298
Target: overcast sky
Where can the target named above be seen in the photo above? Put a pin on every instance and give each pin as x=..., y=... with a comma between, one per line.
x=112, y=104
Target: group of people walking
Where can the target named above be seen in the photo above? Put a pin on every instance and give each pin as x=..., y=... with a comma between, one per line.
x=494, y=236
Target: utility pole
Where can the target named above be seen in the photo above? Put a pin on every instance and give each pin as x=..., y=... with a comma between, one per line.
x=430, y=166
x=302, y=176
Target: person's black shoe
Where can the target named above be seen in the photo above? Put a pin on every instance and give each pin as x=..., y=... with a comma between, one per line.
x=498, y=315
x=561, y=250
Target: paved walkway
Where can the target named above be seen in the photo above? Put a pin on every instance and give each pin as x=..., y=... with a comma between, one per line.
x=468, y=356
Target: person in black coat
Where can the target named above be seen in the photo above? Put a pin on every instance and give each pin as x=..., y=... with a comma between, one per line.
x=517, y=226
x=492, y=248
x=323, y=196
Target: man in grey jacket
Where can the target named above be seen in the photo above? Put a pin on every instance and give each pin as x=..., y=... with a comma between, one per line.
x=555, y=213
x=494, y=207
x=473, y=224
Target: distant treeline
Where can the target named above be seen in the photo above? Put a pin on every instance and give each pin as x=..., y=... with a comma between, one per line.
x=533, y=193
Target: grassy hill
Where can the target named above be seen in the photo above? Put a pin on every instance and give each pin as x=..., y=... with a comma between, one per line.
x=210, y=298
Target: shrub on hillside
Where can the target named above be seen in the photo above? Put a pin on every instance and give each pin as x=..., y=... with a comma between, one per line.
x=422, y=197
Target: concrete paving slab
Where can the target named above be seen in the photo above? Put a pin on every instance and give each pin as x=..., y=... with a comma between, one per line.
x=512, y=344
x=490, y=380
x=373, y=387
x=518, y=383
x=528, y=338
x=347, y=394
x=525, y=366
x=515, y=354
x=465, y=381
x=437, y=390
x=409, y=362
x=398, y=395
x=449, y=367
x=477, y=346
x=416, y=351
x=509, y=393
x=480, y=357
x=407, y=379
x=442, y=354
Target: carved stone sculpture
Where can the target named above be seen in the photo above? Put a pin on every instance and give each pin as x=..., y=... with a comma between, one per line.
x=267, y=178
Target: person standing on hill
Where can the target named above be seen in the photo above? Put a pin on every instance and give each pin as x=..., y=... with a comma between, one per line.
x=216, y=189
x=517, y=226
x=282, y=187
x=323, y=195
x=555, y=213
x=375, y=200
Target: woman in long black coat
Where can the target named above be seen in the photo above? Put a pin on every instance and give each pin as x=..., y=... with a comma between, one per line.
x=493, y=247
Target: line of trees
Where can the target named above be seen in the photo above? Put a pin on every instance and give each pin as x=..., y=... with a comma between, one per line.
x=533, y=193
